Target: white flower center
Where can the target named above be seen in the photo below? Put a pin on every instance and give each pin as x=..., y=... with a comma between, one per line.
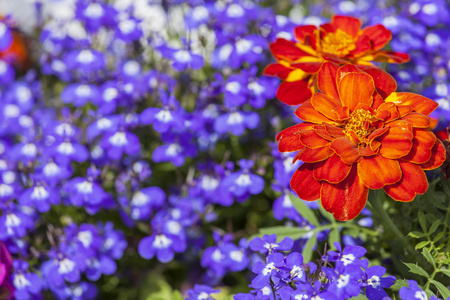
x=182, y=56
x=209, y=183
x=268, y=268
x=29, y=149
x=161, y=242
x=104, y=123
x=243, y=180
x=173, y=149
x=234, y=118
x=347, y=259
x=139, y=199
x=164, y=116
x=118, y=139
x=66, y=148
x=5, y=190
x=374, y=281
x=39, y=192
x=85, y=237
x=51, y=169
x=83, y=90
x=85, y=57
x=94, y=10
x=235, y=11
x=110, y=94
x=256, y=87
x=243, y=46
x=11, y=111
x=12, y=220
x=237, y=255
x=85, y=187
x=343, y=280
x=66, y=266
x=233, y=87
x=20, y=281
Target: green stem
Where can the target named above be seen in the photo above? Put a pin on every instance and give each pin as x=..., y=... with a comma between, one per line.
x=385, y=218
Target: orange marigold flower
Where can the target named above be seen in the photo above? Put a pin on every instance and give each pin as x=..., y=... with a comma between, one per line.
x=359, y=134
x=341, y=41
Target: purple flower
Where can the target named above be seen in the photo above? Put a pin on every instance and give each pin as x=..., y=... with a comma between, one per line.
x=79, y=94
x=243, y=183
x=236, y=122
x=41, y=196
x=28, y=285
x=266, y=271
x=145, y=201
x=376, y=283
x=268, y=244
x=162, y=245
x=201, y=292
x=119, y=142
x=350, y=256
x=413, y=292
x=6, y=36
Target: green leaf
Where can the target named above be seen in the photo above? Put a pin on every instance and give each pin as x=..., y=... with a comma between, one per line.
x=326, y=214
x=334, y=236
x=445, y=271
x=438, y=236
x=416, y=234
x=426, y=253
x=423, y=221
x=304, y=210
x=445, y=184
x=283, y=231
x=307, y=250
x=434, y=226
x=422, y=244
x=399, y=283
x=416, y=269
x=444, y=291
x=177, y=295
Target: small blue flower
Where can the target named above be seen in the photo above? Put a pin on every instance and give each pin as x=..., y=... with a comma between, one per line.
x=162, y=245
x=265, y=271
x=201, y=292
x=414, y=292
x=268, y=244
x=376, y=283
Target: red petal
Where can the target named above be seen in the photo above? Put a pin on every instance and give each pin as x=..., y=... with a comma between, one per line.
x=378, y=35
x=312, y=140
x=301, y=32
x=278, y=70
x=384, y=82
x=346, y=150
x=294, y=93
x=327, y=80
x=390, y=57
x=346, y=69
x=283, y=49
x=289, y=140
x=397, y=142
x=314, y=155
x=304, y=184
x=350, y=25
x=437, y=157
x=346, y=199
x=332, y=170
x=308, y=113
x=418, y=120
x=356, y=88
x=423, y=142
x=329, y=107
x=419, y=103
x=308, y=67
x=414, y=182
x=377, y=171
x=387, y=112
x=335, y=132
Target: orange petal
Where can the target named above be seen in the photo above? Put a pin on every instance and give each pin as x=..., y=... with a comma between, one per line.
x=418, y=120
x=350, y=25
x=387, y=112
x=397, y=142
x=423, y=142
x=346, y=150
x=384, y=82
x=304, y=184
x=404, y=110
x=390, y=57
x=346, y=69
x=288, y=139
x=313, y=155
x=329, y=107
x=308, y=113
x=437, y=157
x=283, y=49
x=355, y=88
x=311, y=139
x=334, y=131
x=294, y=93
x=378, y=35
x=418, y=103
x=332, y=170
x=377, y=171
x=346, y=199
x=414, y=182
x=301, y=32
x=327, y=80
x=376, y=133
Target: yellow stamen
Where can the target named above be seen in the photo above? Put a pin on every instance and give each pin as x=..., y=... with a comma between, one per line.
x=339, y=43
x=359, y=123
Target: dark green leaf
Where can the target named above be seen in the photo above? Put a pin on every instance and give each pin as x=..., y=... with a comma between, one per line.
x=416, y=234
x=445, y=271
x=445, y=184
x=434, y=226
x=423, y=221
x=426, y=253
x=438, y=237
x=422, y=244
x=416, y=270
x=304, y=210
x=307, y=250
x=444, y=291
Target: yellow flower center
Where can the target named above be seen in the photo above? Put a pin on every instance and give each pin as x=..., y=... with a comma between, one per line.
x=339, y=43
x=359, y=123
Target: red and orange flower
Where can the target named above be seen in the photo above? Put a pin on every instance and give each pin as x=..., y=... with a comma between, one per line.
x=359, y=134
x=341, y=41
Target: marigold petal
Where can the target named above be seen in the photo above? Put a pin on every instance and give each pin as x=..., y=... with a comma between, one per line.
x=346, y=150
x=308, y=155
x=414, y=182
x=329, y=107
x=377, y=171
x=355, y=88
x=378, y=35
x=301, y=32
x=348, y=24
x=304, y=184
x=308, y=113
x=346, y=69
x=294, y=93
x=437, y=157
x=276, y=69
x=311, y=139
x=327, y=80
x=397, y=142
x=387, y=112
x=418, y=103
x=334, y=131
x=423, y=142
x=283, y=49
x=309, y=67
x=332, y=170
x=346, y=199
x=384, y=82
x=389, y=56
x=418, y=120
x=289, y=140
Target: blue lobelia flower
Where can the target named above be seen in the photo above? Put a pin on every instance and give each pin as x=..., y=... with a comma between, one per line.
x=162, y=245
x=145, y=201
x=267, y=270
x=236, y=122
x=376, y=283
x=268, y=244
x=28, y=284
x=414, y=292
x=201, y=292
x=349, y=256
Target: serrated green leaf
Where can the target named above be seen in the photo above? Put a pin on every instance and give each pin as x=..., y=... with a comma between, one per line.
x=426, y=253
x=423, y=221
x=416, y=269
x=444, y=291
x=422, y=244
x=438, y=237
x=304, y=210
x=434, y=226
x=399, y=283
x=307, y=250
x=416, y=234
x=334, y=236
x=445, y=271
